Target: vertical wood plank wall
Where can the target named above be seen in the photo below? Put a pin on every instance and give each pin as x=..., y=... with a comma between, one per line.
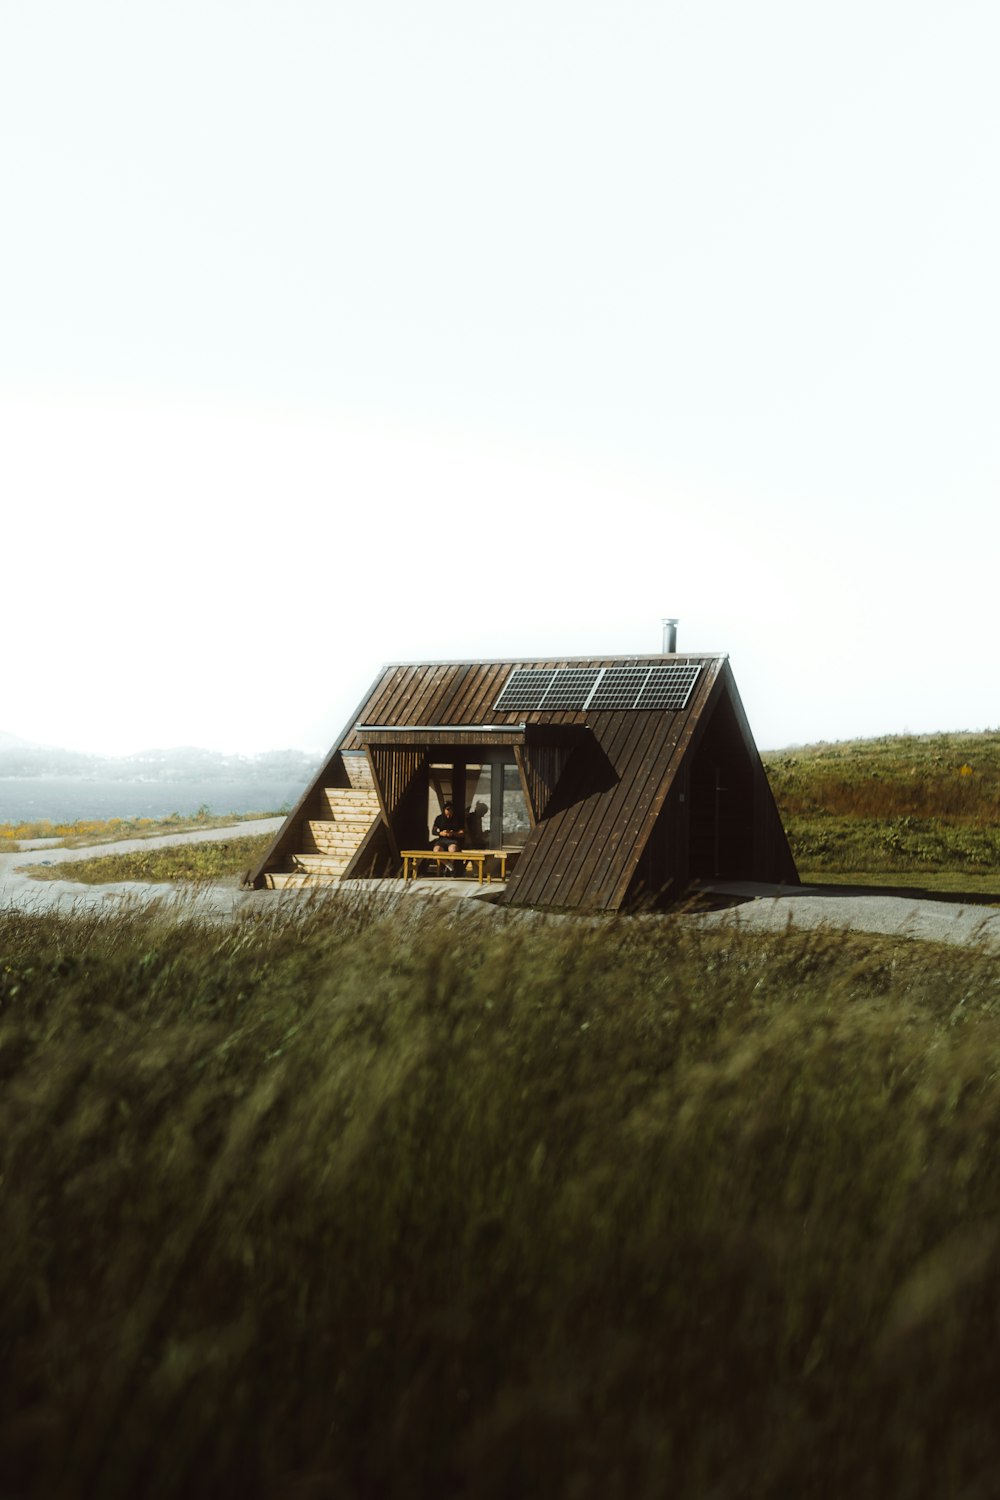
x=540, y=766
x=394, y=771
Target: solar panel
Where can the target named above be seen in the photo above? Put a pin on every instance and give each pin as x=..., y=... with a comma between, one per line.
x=524, y=690
x=668, y=687
x=619, y=687
x=570, y=688
x=557, y=689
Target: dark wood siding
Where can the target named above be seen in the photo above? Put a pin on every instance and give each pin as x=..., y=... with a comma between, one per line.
x=399, y=774
x=393, y=771
x=541, y=767
x=585, y=853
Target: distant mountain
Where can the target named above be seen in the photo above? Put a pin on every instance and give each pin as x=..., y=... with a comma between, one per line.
x=10, y=741
x=22, y=759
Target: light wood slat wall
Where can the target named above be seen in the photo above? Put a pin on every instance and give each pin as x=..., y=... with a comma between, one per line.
x=358, y=772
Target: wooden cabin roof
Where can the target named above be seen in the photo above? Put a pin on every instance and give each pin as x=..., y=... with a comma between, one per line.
x=456, y=694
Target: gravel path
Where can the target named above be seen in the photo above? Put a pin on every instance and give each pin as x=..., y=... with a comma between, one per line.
x=213, y=901
x=27, y=894
x=760, y=907
x=772, y=909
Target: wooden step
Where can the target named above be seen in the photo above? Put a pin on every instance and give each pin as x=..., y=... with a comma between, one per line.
x=329, y=843
x=350, y=827
x=348, y=834
x=320, y=864
x=337, y=848
x=348, y=816
x=331, y=848
x=345, y=804
x=284, y=880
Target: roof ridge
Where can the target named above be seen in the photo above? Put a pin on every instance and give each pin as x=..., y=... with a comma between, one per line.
x=501, y=661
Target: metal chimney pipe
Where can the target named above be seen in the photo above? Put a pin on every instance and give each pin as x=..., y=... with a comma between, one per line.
x=669, y=637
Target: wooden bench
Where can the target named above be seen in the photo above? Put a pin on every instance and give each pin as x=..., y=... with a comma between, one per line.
x=478, y=857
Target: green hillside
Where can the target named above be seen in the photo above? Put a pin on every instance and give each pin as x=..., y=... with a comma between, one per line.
x=907, y=805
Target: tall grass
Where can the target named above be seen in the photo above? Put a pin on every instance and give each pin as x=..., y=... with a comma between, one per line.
x=354, y=1205
x=897, y=776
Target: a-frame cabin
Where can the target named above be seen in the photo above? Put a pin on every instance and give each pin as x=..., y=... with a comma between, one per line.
x=621, y=780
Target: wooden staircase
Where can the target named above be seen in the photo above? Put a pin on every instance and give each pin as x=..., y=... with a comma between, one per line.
x=328, y=844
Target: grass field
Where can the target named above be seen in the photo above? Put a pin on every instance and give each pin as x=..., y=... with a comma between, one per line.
x=87, y=831
x=215, y=859
x=345, y=1206
x=913, y=806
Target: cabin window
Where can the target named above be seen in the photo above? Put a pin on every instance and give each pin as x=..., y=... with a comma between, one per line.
x=488, y=794
x=470, y=788
x=516, y=822
x=478, y=806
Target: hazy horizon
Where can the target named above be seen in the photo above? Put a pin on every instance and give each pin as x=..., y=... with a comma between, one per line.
x=316, y=752
x=12, y=740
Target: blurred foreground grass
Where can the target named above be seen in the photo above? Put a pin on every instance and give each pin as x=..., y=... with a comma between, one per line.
x=351, y=1204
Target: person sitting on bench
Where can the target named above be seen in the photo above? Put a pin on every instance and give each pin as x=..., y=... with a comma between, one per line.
x=447, y=834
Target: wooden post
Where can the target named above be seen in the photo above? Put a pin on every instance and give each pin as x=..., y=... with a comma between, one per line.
x=526, y=788
x=458, y=789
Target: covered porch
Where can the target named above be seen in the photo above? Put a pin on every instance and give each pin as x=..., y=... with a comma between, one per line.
x=481, y=776
x=497, y=782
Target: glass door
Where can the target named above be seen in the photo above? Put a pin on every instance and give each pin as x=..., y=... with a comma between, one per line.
x=489, y=796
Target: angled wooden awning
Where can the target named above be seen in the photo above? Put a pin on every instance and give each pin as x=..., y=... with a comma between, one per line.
x=431, y=735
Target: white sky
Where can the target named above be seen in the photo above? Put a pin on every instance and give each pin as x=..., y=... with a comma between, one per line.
x=598, y=311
